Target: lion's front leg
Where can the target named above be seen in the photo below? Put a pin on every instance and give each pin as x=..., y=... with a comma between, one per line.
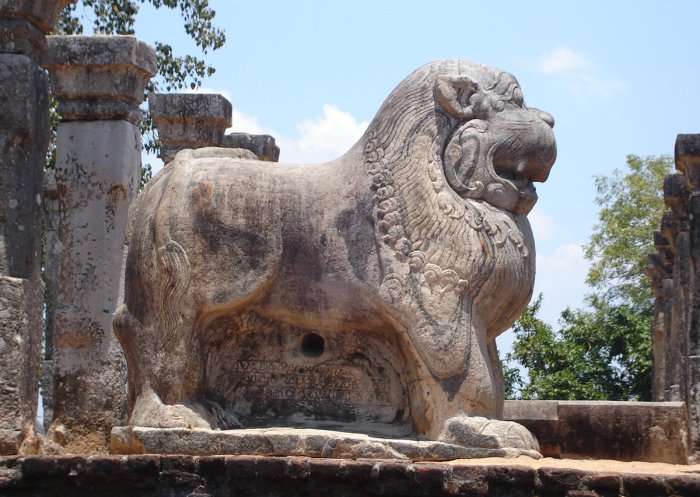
x=477, y=431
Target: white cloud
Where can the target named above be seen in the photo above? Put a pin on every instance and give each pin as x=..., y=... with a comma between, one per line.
x=582, y=76
x=563, y=60
x=319, y=139
x=322, y=138
x=245, y=124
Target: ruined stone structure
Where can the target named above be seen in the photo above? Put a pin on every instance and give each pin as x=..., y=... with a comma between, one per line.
x=24, y=129
x=263, y=146
x=99, y=83
x=364, y=294
x=188, y=120
x=675, y=273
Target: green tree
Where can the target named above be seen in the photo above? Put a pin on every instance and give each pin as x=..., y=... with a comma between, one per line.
x=631, y=205
x=175, y=71
x=603, y=353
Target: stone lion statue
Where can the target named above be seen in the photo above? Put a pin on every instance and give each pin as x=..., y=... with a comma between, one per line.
x=364, y=294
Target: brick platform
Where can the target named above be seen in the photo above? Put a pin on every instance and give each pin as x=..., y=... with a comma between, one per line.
x=187, y=476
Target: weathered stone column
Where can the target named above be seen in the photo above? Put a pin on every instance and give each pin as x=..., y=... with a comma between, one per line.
x=688, y=161
x=99, y=81
x=263, y=146
x=189, y=120
x=24, y=135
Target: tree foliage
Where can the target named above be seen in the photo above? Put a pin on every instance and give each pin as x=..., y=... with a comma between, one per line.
x=175, y=71
x=631, y=205
x=604, y=352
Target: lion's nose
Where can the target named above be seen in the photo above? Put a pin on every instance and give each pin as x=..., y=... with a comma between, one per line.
x=547, y=117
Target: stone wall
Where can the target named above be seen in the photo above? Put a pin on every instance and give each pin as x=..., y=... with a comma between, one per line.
x=675, y=272
x=186, y=476
x=624, y=431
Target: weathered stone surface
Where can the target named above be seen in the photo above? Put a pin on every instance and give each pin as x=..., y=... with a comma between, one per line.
x=626, y=431
x=263, y=146
x=51, y=277
x=675, y=274
x=295, y=442
x=166, y=476
x=24, y=129
x=42, y=13
x=23, y=24
x=687, y=152
x=25, y=132
x=99, y=77
x=189, y=120
x=97, y=173
x=20, y=348
x=361, y=295
x=99, y=81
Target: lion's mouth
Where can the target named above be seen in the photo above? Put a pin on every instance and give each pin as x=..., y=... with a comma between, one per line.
x=521, y=183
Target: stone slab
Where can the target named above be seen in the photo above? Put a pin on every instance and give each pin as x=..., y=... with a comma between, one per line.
x=292, y=442
x=627, y=431
x=160, y=476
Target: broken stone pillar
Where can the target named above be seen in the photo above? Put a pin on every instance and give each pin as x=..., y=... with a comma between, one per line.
x=688, y=161
x=24, y=133
x=263, y=146
x=99, y=81
x=189, y=120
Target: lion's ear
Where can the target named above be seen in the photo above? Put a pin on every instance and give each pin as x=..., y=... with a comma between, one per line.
x=453, y=94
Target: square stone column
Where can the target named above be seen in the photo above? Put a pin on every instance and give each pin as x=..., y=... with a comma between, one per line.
x=24, y=135
x=688, y=161
x=99, y=81
x=189, y=120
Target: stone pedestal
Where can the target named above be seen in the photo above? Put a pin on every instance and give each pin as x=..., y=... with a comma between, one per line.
x=189, y=120
x=24, y=129
x=99, y=81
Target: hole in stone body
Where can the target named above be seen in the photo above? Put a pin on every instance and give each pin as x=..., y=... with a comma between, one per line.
x=312, y=345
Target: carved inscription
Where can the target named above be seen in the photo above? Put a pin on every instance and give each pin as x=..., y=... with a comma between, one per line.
x=338, y=383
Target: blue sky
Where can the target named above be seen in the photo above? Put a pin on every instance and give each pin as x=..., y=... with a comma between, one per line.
x=619, y=77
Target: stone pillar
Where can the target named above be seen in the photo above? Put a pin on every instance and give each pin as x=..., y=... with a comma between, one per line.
x=189, y=120
x=688, y=161
x=50, y=272
x=263, y=146
x=99, y=82
x=24, y=133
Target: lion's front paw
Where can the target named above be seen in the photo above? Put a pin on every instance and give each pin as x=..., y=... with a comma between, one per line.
x=487, y=433
x=149, y=411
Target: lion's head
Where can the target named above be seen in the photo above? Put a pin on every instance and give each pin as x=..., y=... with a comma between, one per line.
x=493, y=147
